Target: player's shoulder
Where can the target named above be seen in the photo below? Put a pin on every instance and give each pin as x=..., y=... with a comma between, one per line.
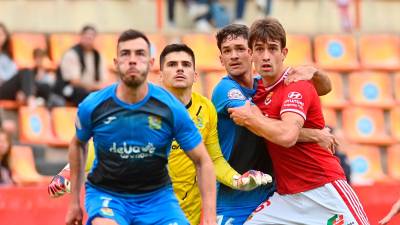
x=226, y=83
x=203, y=101
x=97, y=97
x=164, y=96
x=301, y=84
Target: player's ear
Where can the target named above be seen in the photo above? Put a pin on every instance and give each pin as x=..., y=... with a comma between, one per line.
x=196, y=76
x=285, y=52
x=151, y=62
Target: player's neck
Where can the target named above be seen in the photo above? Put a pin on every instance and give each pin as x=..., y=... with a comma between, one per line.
x=132, y=95
x=269, y=80
x=183, y=95
x=245, y=81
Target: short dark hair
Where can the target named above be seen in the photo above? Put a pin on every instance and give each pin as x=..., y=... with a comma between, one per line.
x=87, y=28
x=176, y=48
x=267, y=29
x=232, y=31
x=6, y=48
x=132, y=35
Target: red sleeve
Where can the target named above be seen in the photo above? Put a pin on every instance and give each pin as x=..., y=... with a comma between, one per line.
x=297, y=98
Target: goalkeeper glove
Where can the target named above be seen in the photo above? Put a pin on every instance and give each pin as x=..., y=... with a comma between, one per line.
x=251, y=180
x=60, y=184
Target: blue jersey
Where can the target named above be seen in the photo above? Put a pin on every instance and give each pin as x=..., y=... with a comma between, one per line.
x=132, y=141
x=242, y=149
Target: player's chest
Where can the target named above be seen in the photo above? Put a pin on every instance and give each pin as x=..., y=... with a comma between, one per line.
x=133, y=126
x=271, y=103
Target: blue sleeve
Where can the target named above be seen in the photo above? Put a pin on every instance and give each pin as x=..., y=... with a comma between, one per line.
x=185, y=131
x=83, y=123
x=227, y=95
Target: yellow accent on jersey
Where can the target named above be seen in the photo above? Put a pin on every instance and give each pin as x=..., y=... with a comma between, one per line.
x=181, y=168
x=90, y=157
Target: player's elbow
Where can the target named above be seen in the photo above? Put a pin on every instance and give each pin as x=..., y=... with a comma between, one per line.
x=288, y=139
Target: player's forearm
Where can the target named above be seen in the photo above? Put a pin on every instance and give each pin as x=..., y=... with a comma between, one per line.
x=275, y=131
x=309, y=135
x=322, y=83
x=395, y=208
x=77, y=159
x=223, y=171
x=207, y=186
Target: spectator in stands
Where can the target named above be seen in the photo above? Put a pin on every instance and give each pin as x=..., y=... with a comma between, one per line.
x=395, y=210
x=5, y=150
x=13, y=86
x=198, y=10
x=345, y=20
x=82, y=69
x=265, y=6
x=43, y=79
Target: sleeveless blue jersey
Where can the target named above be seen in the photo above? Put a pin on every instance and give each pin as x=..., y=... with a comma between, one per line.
x=132, y=141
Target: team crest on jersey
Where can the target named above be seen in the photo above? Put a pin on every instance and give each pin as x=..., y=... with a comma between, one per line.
x=155, y=122
x=236, y=94
x=199, y=122
x=268, y=99
x=107, y=211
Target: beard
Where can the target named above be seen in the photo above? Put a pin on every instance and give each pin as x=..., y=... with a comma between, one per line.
x=134, y=82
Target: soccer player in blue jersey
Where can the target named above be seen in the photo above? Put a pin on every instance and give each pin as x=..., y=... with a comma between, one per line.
x=133, y=124
x=243, y=149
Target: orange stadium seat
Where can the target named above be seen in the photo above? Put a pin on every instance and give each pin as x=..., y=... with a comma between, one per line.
x=22, y=165
x=370, y=89
x=206, y=51
x=365, y=162
x=60, y=43
x=158, y=42
x=34, y=125
x=23, y=45
x=63, y=123
x=335, y=98
x=380, y=52
x=9, y=104
x=393, y=161
x=395, y=122
x=299, y=50
x=210, y=80
x=330, y=117
x=396, y=87
x=107, y=46
x=366, y=125
x=336, y=52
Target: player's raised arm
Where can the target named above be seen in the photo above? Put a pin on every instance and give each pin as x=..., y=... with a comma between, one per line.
x=206, y=179
x=321, y=81
x=77, y=159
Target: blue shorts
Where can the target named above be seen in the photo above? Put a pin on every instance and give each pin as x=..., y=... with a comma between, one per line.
x=157, y=207
x=238, y=213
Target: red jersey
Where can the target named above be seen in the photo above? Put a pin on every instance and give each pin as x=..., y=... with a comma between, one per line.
x=304, y=166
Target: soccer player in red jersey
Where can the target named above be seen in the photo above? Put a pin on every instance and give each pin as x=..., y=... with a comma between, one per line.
x=311, y=186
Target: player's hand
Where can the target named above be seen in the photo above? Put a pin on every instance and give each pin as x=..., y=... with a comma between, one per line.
x=298, y=73
x=327, y=140
x=386, y=219
x=251, y=180
x=74, y=215
x=60, y=184
x=244, y=113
